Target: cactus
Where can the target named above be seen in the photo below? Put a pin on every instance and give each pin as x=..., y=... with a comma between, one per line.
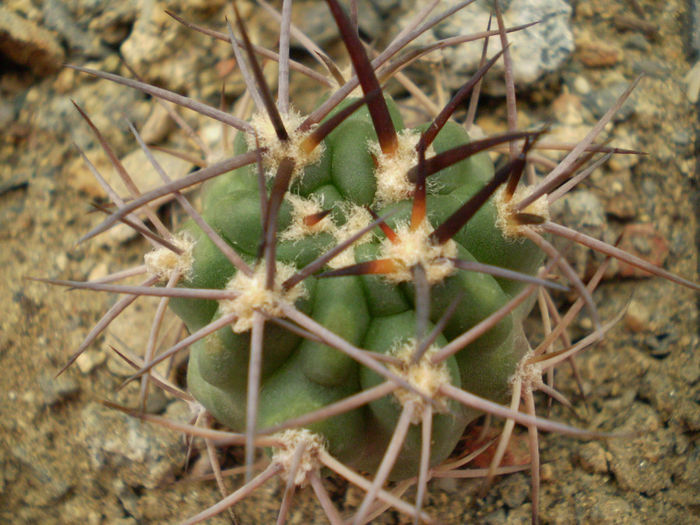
x=375, y=312
x=355, y=291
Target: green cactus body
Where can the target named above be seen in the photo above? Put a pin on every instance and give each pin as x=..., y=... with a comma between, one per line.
x=372, y=312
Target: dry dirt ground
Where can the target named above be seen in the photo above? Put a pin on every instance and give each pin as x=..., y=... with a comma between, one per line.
x=65, y=458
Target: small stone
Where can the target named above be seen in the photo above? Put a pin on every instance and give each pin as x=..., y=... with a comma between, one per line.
x=315, y=20
x=567, y=109
x=622, y=139
x=44, y=472
x=582, y=211
x=536, y=50
x=628, y=22
x=136, y=163
x=546, y=472
x=447, y=484
x=495, y=518
x=58, y=17
x=692, y=79
x=566, y=134
x=594, y=53
x=157, y=401
x=638, y=42
x=7, y=113
x=599, y=101
x=100, y=270
x=514, y=490
x=157, y=126
x=130, y=332
x=637, y=317
x=57, y=389
x=82, y=179
x=592, y=458
x=581, y=85
x=635, y=462
x=89, y=360
x=65, y=81
x=114, y=22
x=621, y=197
x=61, y=261
x=118, y=234
x=644, y=241
x=151, y=38
x=693, y=34
x=653, y=68
x=606, y=510
x=26, y=44
x=141, y=455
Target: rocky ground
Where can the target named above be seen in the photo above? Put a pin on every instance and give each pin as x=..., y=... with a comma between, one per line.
x=66, y=458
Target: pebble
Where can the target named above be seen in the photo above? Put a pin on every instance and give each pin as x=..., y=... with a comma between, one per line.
x=151, y=43
x=606, y=510
x=65, y=81
x=513, y=490
x=581, y=85
x=495, y=518
x=592, y=457
x=694, y=33
x=600, y=100
x=582, y=211
x=567, y=109
x=642, y=27
x=140, y=454
x=145, y=175
x=7, y=113
x=315, y=20
x=650, y=67
x=594, y=53
x=635, y=462
x=537, y=50
x=158, y=125
x=58, y=17
x=101, y=269
x=621, y=196
x=113, y=24
x=638, y=42
x=139, y=167
x=26, y=44
x=637, y=317
x=644, y=241
x=662, y=394
x=623, y=139
x=57, y=389
x=692, y=79
x=89, y=360
x=44, y=472
x=130, y=331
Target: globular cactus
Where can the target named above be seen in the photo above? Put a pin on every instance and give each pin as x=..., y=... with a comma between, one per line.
x=354, y=291
x=327, y=203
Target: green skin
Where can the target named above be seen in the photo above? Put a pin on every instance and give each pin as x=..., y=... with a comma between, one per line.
x=299, y=376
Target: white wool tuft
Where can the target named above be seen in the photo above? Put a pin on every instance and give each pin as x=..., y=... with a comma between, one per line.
x=164, y=263
x=276, y=150
x=425, y=376
x=506, y=221
x=415, y=247
x=392, y=183
x=284, y=456
x=252, y=295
